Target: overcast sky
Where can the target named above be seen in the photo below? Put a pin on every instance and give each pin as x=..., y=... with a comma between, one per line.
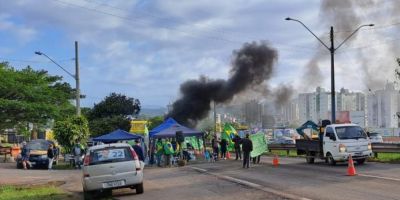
x=146, y=49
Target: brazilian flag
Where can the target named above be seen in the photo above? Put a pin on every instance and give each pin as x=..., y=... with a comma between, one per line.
x=228, y=134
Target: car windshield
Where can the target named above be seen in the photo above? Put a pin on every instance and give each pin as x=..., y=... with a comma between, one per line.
x=374, y=134
x=38, y=145
x=108, y=155
x=350, y=132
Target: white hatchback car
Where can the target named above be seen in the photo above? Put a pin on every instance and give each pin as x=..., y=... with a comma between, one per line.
x=111, y=166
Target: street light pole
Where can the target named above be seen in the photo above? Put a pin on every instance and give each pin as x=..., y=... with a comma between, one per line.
x=77, y=81
x=332, y=50
x=76, y=76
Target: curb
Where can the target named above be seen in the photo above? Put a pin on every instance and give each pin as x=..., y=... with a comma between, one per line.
x=252, y=185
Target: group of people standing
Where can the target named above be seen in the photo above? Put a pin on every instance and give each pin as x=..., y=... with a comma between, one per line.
x=241, y=145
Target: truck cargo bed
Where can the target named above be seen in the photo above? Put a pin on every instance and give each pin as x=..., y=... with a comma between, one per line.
x=303, y=146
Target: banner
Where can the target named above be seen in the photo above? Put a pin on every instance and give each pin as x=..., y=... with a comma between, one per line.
x=259, y=144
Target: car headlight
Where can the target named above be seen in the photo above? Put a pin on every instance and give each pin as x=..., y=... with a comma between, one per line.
x=342, y=148
x=43, y=156
x=369, y=146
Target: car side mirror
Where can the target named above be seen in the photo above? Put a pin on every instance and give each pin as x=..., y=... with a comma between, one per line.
x=332, y=137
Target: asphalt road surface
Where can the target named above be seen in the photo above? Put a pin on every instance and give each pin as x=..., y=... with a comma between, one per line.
x=226, y=179
x=316, y=181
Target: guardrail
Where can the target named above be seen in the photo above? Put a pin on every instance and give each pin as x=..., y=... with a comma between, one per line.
x=376, y=148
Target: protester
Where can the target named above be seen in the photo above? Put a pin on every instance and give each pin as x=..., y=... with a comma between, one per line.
x=50, y=156
x=237, y=140
x=256, y=160
x=25, y=155
x=214, y=143
x=138, y=149
x=247, y=147
x=159, y=151
x=224, y=145
x=168, y=152
x=78, y=151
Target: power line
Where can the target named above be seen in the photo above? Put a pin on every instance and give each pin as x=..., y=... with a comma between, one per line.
x=32, y=61
x=189, y=33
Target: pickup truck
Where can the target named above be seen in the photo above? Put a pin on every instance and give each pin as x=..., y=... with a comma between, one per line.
x=336, y=143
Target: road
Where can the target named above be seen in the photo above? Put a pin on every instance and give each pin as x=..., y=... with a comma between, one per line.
x=159, y=183
x=226, y=179
x=316, y=181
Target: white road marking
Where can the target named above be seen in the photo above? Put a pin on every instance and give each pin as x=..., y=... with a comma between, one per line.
x=252, y=185
x=379, y=177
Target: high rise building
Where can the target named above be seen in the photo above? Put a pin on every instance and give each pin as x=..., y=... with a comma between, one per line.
x=383, y=106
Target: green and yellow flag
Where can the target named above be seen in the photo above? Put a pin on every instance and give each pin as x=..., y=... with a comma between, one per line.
x=228, y=134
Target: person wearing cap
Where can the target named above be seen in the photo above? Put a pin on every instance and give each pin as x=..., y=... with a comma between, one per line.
x=247, y=147
x=25, y=155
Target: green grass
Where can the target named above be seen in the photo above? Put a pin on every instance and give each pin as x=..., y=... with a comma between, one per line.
x=32, y=193
x=282, y=153
x=387, y=157
x=382, y=157
x=62, y=165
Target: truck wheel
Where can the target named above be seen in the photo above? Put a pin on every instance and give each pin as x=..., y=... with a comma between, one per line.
x=139, y=188
x=361, y=161
x=309, y=158
x=330, y=159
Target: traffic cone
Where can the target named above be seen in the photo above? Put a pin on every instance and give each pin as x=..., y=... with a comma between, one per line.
x=351, y=170
x=275, y=161
x=228, y=155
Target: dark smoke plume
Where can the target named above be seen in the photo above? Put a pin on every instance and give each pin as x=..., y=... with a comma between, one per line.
x=283, y=94
x=251, y=66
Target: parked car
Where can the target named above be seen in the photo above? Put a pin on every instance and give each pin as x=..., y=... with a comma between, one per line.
x=111, y=166
x=38, y=154
x=284, y=140
x=375, y=138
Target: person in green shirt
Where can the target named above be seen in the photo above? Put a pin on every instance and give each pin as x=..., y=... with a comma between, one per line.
x=168, y=152
x=159, y=151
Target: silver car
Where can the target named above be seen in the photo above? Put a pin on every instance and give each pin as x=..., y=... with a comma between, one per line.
x=375, y=138
x=111, y=166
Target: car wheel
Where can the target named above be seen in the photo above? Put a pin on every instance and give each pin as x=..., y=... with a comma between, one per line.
x=361, y=161
x=309, y=158
x=139, y=188
x=330, y=159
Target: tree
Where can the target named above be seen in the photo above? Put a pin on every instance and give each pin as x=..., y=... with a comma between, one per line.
x=116, y=104
x=112, y=113
x=70, y=131
x=155, y=121
x=31, y=96
x=100, y=126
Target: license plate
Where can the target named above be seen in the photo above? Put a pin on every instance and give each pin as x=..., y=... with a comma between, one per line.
x=112, y=184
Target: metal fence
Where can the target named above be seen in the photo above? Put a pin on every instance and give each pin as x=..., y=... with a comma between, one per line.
x=376, y=147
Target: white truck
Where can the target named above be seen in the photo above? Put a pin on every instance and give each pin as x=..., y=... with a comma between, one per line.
x=335, y=143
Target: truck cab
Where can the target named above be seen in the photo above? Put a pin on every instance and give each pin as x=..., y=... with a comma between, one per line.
x=342, y=140
x=336, y=143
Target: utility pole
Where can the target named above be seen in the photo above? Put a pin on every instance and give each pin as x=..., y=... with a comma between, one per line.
x=332, y=50
x=215, y=121
x=78, y=92
x=76, y=76
x=333, y=103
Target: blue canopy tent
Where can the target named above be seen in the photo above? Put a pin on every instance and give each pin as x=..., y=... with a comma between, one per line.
x=166, y=124
x=168, y=129
x=117, y=135
x=171, y=131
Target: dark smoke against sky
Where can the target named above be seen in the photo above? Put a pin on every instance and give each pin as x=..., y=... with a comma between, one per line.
x=252, y=65
x=374, y=62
